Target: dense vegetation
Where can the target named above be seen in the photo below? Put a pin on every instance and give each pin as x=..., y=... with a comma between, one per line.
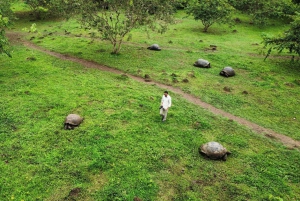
x=209, y=12
x=115, y=19
x=290, y=40
x=122, y=150
x=6, y=15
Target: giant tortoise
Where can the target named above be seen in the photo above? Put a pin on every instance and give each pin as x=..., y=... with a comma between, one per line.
x=202, y=63
x=154, y=47
x=72, y=120
x=214, y=150
x=227, y=72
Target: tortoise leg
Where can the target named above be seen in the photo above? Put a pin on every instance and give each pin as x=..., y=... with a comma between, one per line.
x=224, y=157
x=68, y=126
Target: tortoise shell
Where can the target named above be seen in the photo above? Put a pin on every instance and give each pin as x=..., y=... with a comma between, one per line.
x=214, y=150
x=154, y=47
x=202, y=63
x=227, y=72
x=72, y=120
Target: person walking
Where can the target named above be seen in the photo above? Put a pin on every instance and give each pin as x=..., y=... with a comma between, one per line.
x=166, y=102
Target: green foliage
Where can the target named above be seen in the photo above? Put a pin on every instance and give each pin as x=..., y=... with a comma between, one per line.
x=6, y=16
x=181, y=4
x=4, y=45
x=274, y=198
x=115, y=19
x=5, y=10
x=296, y=1
x=209, y=12
x=32, y=29
x=289, y=41
x=43, y=9
x=262, y=11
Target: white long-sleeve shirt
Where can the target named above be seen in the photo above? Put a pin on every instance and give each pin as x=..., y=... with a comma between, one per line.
x=166, y=102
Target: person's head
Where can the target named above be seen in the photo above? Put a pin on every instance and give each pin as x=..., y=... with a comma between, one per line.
x=166, y=93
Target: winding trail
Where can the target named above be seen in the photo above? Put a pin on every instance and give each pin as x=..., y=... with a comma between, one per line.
x=15, y=37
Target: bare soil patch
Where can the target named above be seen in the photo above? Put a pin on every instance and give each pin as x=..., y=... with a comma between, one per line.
x=15, y=37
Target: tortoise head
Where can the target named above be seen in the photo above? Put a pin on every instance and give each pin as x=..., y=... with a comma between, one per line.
x=224, y=158
x=202, y=152
x=68, y=126
x=223, y=73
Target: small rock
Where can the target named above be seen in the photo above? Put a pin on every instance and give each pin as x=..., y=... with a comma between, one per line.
x=175, y=80
x=74, y=192
x=228, y=89
x=185, y=80
x=147, y=78
x=137, y=199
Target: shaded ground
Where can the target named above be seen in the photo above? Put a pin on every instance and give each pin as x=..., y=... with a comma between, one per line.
x=289, y=142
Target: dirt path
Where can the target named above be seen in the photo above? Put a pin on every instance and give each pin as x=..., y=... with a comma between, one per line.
x=289, y=142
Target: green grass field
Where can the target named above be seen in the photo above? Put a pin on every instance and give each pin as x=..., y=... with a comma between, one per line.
x=271, y=86
x=122, y=150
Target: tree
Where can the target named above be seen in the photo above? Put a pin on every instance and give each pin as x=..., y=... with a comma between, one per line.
x=261, y=11
x=45, y=8
x=3, y=39
x=289, y=41
x=114, y=19
x=181, y=4
x=5, y=16
x=209, y=12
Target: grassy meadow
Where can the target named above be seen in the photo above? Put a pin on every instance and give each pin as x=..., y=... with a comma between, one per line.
x=264, y=92
x=122, y=150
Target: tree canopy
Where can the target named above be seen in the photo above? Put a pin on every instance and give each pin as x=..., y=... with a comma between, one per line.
x=261, y=11
x=209, y=12
x=45, y=8
x=5, y=19
x=114, y=19
x=290, y=40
